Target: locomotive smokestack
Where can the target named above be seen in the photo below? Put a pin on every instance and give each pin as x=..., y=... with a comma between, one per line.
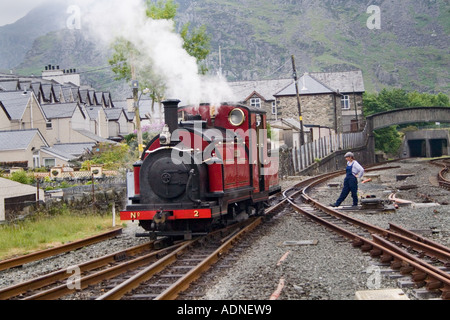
x=171, y=114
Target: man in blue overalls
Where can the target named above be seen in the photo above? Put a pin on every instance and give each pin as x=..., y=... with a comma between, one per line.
x=353, y=171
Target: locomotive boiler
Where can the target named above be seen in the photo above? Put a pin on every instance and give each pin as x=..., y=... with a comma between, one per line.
x=209, y=167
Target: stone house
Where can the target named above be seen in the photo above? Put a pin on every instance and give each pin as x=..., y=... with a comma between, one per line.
x=319, y=104
x=350, y=85
x=260, y=94
x=340, y=94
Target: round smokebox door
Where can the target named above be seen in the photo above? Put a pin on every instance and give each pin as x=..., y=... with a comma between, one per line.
x=168, y=180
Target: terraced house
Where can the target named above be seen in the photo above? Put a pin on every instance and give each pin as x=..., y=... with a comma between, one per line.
x=46, y=123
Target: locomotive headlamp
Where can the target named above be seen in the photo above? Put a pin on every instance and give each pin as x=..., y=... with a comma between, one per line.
x=236, y=117
x=165, y=136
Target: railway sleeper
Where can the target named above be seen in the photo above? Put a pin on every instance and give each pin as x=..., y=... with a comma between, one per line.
x=406, y=269
x=357, y=242
x=396, y=264
x=445, y=292
x=419, y=276
x=376, y=252
x=433, y=284
x=385, y=258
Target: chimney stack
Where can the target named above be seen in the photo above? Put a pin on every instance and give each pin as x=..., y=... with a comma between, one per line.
x=171, y=114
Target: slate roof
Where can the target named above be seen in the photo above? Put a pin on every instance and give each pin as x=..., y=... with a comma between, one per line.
x=15, y=103
x=243, y=90
x=113, y=113
x=69, y=151
x=92, y=111
x=18, y=139
x=306, y=85
x=9, y=85
x=93, y=136
x=345, y=82
x=60, y=110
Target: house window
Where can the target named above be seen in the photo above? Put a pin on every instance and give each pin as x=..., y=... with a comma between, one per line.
x=345, y=102
x=49, y=124
x=36, y=161
x=256, y=102
x=48, y=163
x=274, y=108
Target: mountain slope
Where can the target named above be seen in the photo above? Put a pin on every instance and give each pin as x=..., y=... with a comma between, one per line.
x=17, y=38
x=258, y=37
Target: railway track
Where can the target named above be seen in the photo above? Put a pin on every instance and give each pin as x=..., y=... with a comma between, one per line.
x=426, y=261
x=166, y=279
x=442, y=176
x=126, y=270
x=57, y=284
x=19, y=261
x=144, y=272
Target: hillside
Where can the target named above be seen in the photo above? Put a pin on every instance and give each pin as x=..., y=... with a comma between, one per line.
x=17, y=38
x=258, y=37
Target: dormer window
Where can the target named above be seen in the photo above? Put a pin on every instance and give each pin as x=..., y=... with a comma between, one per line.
x=255, y=102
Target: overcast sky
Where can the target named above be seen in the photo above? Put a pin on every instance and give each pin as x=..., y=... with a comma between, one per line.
x=13, y=10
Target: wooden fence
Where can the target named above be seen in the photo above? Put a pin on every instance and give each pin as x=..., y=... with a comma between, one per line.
x=316, y=150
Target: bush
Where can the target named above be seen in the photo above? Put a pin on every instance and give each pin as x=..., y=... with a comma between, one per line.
x=22, y=177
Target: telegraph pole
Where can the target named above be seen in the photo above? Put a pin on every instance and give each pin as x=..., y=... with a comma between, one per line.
x=135, y=85
x=302, y=134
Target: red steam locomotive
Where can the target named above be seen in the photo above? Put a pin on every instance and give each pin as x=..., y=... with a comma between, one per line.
x=209, y=167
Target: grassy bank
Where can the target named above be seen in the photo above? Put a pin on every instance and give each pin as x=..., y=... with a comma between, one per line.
x=43, y=232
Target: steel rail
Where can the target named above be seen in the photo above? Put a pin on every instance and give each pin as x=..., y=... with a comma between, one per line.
x=19, y=261
x=183, y=283
x=412, y=235
x=134, y=282
x=436, y=278
x=100, y=276
x=440, y=252
x=60, y=275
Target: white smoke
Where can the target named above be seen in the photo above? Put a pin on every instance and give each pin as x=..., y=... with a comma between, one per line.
x=160, y=47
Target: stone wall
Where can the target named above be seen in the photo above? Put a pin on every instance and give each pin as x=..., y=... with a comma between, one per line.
x=324, y=110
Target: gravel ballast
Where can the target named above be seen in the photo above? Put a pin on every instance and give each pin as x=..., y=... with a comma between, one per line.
x=329, y=269
x=334, y=270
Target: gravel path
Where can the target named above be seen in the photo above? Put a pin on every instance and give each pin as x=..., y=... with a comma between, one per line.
x=327, y=270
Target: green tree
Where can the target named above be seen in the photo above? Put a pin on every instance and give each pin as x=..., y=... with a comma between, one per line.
x=196, y=44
